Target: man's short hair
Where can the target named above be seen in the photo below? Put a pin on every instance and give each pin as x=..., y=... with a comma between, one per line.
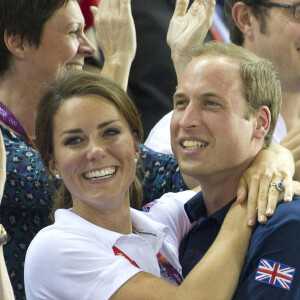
x=260, y=81
x=259, y=11
x=26, y=18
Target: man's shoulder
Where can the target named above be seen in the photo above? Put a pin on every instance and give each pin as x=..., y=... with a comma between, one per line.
x=286, y=214
x=280, y=228
x=275, y=244
x=287, y=211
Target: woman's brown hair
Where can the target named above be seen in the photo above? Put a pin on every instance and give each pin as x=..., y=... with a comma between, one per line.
x=80, y=83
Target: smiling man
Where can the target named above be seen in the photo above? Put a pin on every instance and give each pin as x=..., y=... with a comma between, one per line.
x=225, y=110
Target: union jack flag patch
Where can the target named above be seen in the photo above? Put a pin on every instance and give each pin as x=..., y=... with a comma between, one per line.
x=148, y=206
x=274, y=273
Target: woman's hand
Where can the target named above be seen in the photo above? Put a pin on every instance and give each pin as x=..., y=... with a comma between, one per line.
x=188, y=29
x=272, y=165
x=115, y=34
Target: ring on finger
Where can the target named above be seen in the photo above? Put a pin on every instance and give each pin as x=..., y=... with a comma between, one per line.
x=278, y=185
x=204, y=3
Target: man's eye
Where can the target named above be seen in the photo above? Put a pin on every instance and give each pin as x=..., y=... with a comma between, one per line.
x=180, y=103
x=212, y=103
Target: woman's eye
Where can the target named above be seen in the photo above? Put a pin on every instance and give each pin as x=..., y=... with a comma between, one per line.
x=75, y=32
x=111, y=132
x=73, y=141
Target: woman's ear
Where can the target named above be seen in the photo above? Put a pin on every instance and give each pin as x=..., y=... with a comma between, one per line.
x=53, y=167
x=243, y=18
x=263, y=122
x=15, y=44
x=136, y=145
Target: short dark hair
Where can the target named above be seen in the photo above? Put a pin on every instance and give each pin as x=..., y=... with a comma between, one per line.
x=259, y=11
x=81, y=83
x=260, y=81
x=25, y=18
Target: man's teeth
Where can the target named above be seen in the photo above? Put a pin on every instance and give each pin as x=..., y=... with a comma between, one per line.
x=104, y=173
x=191, y=145
x=73, y=67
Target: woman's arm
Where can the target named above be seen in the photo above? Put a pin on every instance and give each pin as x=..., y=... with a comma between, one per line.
x=115, y=34
x=214, y=277
x=6, y=292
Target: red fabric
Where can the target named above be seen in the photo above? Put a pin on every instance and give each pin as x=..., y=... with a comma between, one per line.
x=85, y=8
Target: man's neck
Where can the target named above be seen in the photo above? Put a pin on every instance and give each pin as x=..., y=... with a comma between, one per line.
x=216, y=195
x=219, y=189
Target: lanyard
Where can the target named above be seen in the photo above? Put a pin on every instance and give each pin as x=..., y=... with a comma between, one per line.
x=163, y=261
x=117, y=251
x=8, y=118
x=170, y=269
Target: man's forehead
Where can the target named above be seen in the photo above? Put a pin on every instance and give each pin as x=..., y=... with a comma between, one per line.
x=213, y=60
x=209, y=69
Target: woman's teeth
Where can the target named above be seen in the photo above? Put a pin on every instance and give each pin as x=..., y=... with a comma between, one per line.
x=101, y=174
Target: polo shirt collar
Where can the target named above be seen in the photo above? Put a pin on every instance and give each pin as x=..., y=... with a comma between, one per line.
x=143, y=226
x=196, y=210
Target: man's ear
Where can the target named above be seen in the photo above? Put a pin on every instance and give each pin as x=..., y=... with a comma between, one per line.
x=263, y=122
x=243, y=18
x=15, y=44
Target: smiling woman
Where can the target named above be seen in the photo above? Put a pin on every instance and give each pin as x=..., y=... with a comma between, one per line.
x=88, y=132
x=105, y=124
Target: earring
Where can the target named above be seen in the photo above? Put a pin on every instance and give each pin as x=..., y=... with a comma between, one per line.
x=57, y=176
x=136, y=160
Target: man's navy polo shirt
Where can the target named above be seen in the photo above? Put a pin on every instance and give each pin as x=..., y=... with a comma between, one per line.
x=272, y=266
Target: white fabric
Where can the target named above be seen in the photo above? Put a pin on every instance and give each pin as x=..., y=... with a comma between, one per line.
x=73, y=258
x=280, y=130
x=159, y=138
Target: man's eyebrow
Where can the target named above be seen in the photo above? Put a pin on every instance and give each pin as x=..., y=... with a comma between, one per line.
x=178, y=94
x=208, y=94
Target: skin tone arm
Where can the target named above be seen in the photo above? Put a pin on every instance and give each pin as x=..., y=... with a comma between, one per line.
x=6, y=292
x=187, y=30
x=214, y=277
x=115, y=34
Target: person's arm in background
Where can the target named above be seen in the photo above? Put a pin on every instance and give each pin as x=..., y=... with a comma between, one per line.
x=187, y=30
x=6, y=292
x=115, y=34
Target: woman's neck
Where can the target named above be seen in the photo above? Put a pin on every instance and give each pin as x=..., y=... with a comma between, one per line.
x=117, y=219
x=22, y=102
